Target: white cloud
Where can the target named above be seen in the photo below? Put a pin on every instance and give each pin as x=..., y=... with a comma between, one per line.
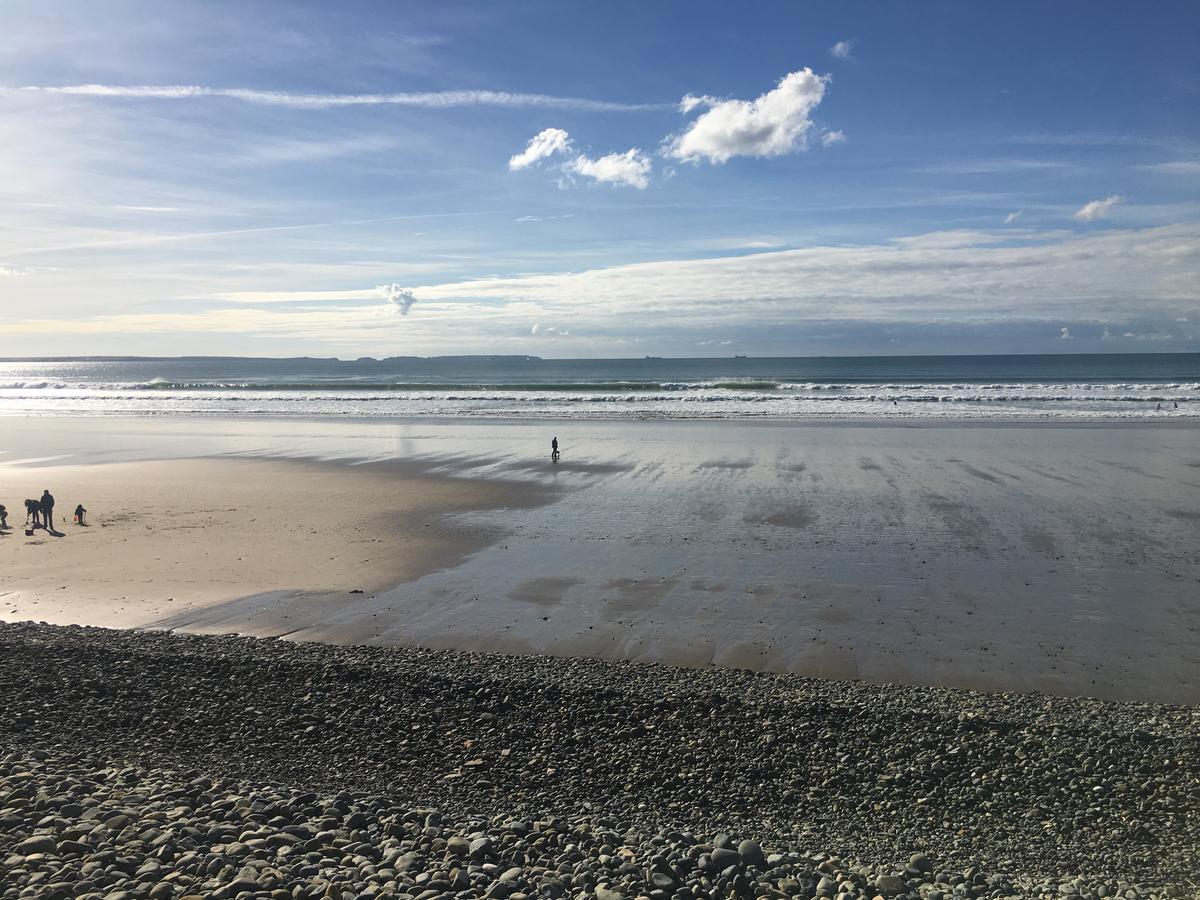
x=1097, y=209
x=994, y=166
x=1181, y=167
x=544, y=144
x=1134, y=336
x=755, y=245
x=841, y=50
x=950, y=239
x=310, y=151
x=631, y=168
x=969, y=237
x=402, y=299
x=520, y=220
x=258, y=298
x=691, y=101
x=1064, y=334
x=1013, y=216
x=428, y=99
x=830, y=138
x=774, y=124
x=1111, y=276
x=1131, y=280
x=11, y=272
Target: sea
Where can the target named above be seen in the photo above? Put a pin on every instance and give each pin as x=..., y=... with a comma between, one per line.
x=1061, y=386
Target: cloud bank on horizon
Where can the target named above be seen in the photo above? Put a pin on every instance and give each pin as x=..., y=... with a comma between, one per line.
x=301, y=180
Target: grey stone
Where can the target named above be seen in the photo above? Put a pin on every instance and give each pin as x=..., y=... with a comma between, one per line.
x=890, y=885
x=40, y=843
x=751, y=853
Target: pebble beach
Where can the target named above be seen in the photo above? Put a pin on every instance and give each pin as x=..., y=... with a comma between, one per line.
x=160, y=765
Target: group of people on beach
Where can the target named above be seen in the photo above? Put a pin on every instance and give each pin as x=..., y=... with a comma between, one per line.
x=40, y=514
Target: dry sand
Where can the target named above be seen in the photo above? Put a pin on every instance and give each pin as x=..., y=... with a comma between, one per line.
x=171, y=537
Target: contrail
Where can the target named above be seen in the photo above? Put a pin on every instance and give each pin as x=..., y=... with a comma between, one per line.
x=425, y=99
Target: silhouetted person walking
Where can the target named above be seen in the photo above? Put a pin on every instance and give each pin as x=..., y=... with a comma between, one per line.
x=554, y=448
x=80, y=512
x=47, y=505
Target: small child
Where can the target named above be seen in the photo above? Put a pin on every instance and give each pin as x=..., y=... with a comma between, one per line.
x=79, y=514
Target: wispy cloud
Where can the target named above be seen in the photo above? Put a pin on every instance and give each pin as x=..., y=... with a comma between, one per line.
x=994, y=166
x=125, y=239
x=830, y=138
x=1179, y=167
x=544, y=144
x=841, y=50
x=969, y=237
x=1013, y=216
x=317, y=150
x=775, y=123
x=1097, y=209
x=426, y=99
x=1090, y=139
x=259, y=298
x=1138, y=281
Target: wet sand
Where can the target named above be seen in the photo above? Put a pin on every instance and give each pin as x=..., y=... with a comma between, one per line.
x=1001, y=557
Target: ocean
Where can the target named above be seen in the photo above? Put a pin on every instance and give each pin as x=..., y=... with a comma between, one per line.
x=1083, y=386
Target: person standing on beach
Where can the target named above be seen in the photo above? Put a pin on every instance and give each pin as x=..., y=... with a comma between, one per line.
x=47, y=506
x=80, y=512
x=554, y=447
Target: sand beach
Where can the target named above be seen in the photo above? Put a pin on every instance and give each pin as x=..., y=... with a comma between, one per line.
x=688, y=660
x=995, y=557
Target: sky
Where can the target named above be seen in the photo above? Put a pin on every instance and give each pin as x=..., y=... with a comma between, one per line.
x=599, y=179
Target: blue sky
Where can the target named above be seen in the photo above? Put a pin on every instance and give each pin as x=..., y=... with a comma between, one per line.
x=710, y=178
